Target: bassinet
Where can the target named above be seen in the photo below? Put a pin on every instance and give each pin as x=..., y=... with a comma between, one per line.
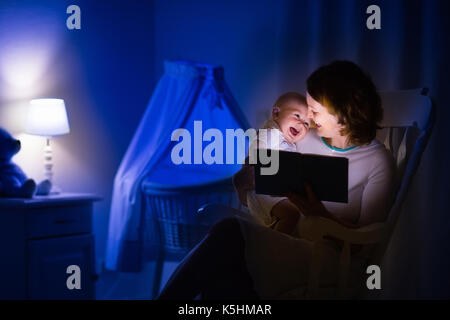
x=155, y=201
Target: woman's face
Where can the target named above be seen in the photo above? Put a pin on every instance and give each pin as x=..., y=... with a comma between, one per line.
x=327, y=125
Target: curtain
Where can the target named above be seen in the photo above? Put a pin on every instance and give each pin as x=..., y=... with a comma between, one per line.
x=411, y=50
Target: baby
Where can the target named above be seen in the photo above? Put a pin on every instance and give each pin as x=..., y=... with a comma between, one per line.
x=289, y=124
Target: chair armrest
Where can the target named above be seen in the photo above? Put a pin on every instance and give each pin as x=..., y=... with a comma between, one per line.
x=316, y=228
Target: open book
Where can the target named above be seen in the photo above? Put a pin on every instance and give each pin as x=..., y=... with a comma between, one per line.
x=327, y=175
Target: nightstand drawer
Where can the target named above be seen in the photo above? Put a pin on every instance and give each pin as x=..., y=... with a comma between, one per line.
x=58, y=220
x=48, y=260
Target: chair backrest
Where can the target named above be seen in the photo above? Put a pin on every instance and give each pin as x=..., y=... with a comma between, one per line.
x=408, y=120
x=406, y=108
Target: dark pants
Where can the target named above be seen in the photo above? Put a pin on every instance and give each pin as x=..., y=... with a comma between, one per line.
x=215, y=268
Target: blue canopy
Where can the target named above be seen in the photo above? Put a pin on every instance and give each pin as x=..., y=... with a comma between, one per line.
x=187, y=92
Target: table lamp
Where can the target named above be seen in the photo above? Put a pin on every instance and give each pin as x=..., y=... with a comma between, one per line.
x=48, y=118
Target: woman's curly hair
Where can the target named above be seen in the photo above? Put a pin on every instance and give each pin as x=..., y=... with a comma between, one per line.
x=349, y=93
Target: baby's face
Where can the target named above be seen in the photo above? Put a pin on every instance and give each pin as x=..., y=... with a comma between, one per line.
x=293, y=121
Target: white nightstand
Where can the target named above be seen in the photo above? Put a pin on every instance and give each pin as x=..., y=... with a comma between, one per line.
x=39, y=239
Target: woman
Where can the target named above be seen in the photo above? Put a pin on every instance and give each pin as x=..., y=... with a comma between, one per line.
x=239, y=258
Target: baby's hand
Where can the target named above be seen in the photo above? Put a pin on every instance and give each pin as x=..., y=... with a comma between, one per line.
x=243, y=181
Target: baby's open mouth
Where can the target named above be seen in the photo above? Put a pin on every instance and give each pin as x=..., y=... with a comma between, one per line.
x=294, y=131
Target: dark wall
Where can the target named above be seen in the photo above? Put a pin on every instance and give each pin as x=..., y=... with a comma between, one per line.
x=105, y=73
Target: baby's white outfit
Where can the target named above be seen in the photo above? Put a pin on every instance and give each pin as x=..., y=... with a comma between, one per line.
x=260, y=205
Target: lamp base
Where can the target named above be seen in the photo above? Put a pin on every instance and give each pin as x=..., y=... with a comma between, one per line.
x=55, y=190
x=45, y=188
x=48, y=166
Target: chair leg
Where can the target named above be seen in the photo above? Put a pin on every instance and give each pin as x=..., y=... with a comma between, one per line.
x=158, y=274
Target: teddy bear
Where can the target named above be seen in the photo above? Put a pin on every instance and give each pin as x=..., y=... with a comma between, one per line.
x=13, y=181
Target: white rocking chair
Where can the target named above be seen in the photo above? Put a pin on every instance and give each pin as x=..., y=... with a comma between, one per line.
x=409, y=116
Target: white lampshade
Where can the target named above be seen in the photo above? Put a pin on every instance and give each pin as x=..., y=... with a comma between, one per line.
x=47, y=117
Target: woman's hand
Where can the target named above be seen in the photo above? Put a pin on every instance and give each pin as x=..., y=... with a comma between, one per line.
x=309, y=205
x=243, y=181
x=312, y=206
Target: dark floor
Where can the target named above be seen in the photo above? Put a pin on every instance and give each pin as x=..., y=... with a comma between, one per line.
x=113, y=285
